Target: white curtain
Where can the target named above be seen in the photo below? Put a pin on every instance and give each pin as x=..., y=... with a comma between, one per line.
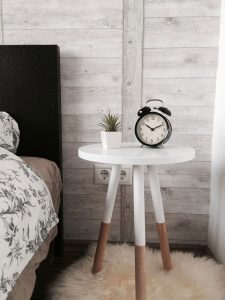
x=216, y=237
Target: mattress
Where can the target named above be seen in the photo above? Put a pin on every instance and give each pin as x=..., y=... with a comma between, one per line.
x=49, y=171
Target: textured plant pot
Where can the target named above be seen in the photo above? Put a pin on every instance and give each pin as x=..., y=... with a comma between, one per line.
x=111, y=140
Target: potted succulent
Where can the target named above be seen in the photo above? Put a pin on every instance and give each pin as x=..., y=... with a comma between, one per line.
x=111, y=136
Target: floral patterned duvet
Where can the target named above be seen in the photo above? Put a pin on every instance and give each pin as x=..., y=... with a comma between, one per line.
x=26, y=217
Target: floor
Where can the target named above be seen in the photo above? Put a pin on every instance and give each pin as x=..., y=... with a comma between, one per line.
x=74, y=250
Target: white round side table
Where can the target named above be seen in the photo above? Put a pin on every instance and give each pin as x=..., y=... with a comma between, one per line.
x=139, y=157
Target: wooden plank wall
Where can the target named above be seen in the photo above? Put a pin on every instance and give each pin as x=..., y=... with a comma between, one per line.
x=102, y=43
x=180, y=59
x=132, y=94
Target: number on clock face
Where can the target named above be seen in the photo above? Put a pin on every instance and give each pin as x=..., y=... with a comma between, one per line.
x=152, y=129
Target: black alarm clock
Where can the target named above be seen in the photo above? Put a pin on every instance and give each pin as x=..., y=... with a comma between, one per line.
x=152, y=128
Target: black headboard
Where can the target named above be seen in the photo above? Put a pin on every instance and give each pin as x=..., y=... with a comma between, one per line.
x=30, y=92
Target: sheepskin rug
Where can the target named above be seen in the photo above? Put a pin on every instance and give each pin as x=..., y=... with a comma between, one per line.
x=190, y=279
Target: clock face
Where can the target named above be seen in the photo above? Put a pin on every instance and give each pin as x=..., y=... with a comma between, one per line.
x=152, y=129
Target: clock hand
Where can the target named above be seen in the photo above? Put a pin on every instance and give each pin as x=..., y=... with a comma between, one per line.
x=157, y=126
x=149, y=127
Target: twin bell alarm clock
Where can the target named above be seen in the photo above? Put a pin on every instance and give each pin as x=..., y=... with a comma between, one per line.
x=153, y=128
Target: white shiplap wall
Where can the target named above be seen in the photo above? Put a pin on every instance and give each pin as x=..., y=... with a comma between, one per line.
x=102, y=44
x=180, y=59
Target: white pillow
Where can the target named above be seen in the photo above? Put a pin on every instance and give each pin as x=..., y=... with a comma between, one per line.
x=9, y=132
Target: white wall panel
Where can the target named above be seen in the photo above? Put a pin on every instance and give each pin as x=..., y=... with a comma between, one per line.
x=66, y=14
x=185, y=8
x=72, y=43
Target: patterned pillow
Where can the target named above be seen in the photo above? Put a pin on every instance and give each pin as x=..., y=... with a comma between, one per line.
x=9, y=132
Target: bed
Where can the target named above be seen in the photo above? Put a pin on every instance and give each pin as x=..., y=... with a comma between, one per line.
x=30, y=93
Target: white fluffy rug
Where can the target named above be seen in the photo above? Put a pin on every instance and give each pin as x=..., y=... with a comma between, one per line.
x=190, y=279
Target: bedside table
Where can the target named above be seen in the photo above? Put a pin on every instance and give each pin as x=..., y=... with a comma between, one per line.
x=133, y=154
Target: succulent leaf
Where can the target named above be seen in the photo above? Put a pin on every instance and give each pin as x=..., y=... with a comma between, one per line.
x=110, y=122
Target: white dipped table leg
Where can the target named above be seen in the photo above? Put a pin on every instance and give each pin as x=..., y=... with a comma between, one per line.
x=111, y=193
x=108, y=210
x=139, y=232
x=160, y=217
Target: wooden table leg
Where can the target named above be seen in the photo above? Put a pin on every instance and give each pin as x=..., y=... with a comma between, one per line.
x=139, y=232
x=159, y=215
x=105, y=225
x=164, y=246
x=140, y=273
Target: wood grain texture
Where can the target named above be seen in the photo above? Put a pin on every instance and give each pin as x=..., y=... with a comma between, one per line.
x=183, y=92
x=173, y=8
x=81, y=181
x=88, y=229
x=127, y=215
x=72, y=42
x=67, y=14
x=96, y=100
x=101, y=247
x=193, y=168
x=91, y=72
x=164, y=246
x=132, y=64
x=180, y=62
x=181, y=32
x=140, y=274
x=70, y=157
x=91, y=85
x=201, y=143
x=132, y=87
x=81, y=134
x=192, y=120
x=89, y=206
x=178, y=200
x=81, y=128
x=181, y=228
x=192, y=175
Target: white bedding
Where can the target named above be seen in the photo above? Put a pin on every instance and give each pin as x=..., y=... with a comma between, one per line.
x=9, y=132
x=26, y=217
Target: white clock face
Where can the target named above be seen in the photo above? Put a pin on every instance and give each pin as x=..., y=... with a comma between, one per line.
x=152, y=129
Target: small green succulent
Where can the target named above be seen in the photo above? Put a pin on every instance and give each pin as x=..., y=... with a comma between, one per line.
x=110, y=122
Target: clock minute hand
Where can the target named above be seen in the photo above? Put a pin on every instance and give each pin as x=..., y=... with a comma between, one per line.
x=157, y=126
x=149, y=127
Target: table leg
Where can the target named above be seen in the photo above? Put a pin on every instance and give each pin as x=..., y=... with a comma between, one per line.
x=159, y=215
x=108, y=210
x=139, y=232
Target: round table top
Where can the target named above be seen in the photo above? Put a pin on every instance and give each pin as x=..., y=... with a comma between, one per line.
x=134, y=154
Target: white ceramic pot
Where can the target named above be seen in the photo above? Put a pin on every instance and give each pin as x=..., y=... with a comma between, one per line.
x=111, y=140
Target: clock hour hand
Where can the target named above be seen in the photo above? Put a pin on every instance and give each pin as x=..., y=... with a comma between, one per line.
x=157, y=126
x=149, y=127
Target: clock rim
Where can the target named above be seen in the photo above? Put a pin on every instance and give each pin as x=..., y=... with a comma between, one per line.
x=169, y=127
